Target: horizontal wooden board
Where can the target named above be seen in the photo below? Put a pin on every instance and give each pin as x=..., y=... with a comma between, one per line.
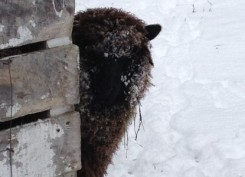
x=39, y=81
x=46, y=148
x=29, y=21
x=70, y=174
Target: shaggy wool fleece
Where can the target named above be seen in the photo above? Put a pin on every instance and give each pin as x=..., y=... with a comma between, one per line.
x=115, y=64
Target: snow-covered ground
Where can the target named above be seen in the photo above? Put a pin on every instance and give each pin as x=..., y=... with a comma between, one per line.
x=194, y=117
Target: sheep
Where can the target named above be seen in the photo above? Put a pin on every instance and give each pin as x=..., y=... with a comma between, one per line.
x=115, y=64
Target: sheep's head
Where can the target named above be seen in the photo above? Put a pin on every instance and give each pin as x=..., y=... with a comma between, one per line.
x=114, y=52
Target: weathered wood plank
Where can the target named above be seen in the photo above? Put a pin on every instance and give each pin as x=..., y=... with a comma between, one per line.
x=5, y=89
x=30, y=21
x=70, y=174
x=40, y=80
x=47, y=148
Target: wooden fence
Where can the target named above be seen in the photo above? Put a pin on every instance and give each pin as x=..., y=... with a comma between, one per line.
x=39, y=86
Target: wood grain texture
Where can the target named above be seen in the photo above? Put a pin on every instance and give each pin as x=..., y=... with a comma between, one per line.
x=70, y=174
x=40, y=80
x=29, y=21
x=46, y=148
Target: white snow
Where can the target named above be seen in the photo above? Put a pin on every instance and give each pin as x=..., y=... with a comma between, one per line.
x=41, y=149
x=38, y=155
x=58, y=42
x=59, y=14
x=32, y=23
x=24, y=35
x=1, y=28
x=11, y=111
x=60, y=110
x=5, y=168
x=45, y=96
x=194, y=117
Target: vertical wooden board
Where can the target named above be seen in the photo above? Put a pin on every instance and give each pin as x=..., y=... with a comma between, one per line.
x=5, y=154
x=47, y=148
x=5, y=87
x=29, y=21
x=40, y=80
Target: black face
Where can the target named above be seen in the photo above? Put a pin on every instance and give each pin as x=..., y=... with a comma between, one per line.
x=107, y=78
x=106, y=81
x=112, y=57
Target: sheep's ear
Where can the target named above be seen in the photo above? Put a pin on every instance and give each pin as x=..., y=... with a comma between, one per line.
x=152, y=31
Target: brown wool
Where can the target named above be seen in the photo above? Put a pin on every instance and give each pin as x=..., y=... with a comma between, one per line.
x=115, y=64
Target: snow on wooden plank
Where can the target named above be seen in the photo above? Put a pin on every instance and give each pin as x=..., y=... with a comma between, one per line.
x=30, y=21
x=46, y=148
x=71, y=174
x=39, y=80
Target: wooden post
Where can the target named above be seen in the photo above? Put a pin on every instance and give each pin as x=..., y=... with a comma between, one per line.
x=39, y=129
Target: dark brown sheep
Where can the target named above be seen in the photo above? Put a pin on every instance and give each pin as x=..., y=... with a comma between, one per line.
x=115, y=63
